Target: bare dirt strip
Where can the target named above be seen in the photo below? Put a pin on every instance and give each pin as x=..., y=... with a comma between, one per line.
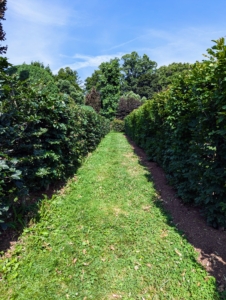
x=209, y=242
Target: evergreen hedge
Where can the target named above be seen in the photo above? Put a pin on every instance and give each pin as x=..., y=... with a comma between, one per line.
x=33, y=74
x=184, y=130
x=43, y=139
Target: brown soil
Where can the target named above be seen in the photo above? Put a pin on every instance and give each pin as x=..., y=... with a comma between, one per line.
x=209, y=242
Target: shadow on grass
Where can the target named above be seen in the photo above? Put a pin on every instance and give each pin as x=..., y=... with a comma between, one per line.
x=22, y=213
x=208, y=242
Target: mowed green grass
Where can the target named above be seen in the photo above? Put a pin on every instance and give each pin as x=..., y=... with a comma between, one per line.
x=105, y=237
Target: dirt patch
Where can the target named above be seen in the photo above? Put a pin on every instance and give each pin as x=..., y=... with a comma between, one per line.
x=209, y=242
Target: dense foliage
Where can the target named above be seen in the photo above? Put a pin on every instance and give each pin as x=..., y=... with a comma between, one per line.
x=118, y=125
x=106, y=82
x=65, y=82
x=165, y=75
x=69, y=90
x=127, y=103
x=138, y=74
x=41, y=65
x=93, y=99
x=68, y=82
x=92, y=81
x=133, y=73
x=69, y=75
x=184, y=130
x=43, y=139
x=37, y=76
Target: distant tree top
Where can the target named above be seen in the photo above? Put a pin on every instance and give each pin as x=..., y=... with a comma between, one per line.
x=70, y=75
x=41, y=65
x=3, y=8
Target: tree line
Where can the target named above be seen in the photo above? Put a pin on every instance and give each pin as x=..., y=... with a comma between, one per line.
x=121, y=85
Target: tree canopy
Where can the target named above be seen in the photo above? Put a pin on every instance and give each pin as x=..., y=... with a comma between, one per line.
x=127, y=103
x=107, y=82
x=165, y=75
x=41, y=65
x=67, y=81
x=137, y=74
x=70, y=75
x=93, y=100
x=92, y=81
x=109, y=87
x=3, y=8
x=133, y=73
x=34, y=74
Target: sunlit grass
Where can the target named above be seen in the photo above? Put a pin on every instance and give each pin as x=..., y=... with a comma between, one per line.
x=105, y=238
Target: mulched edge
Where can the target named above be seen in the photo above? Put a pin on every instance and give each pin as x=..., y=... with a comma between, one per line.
x=207, y=241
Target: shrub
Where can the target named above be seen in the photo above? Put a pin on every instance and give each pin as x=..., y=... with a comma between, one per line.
x=70, y=90
x=35, y=75
x=93, y=99
x=127, y=104
x=43, y=140
x=184, y=130
x=118, y=125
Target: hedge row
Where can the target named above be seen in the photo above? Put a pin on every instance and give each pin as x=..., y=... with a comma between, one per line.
x=43, y=139
x=118, y=125
x=184, y=130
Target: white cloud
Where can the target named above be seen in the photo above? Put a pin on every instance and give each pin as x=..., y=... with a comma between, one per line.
x=164, y=47
x=182, y=45
x=85, y=61
x=125, y=43
x=41, y=30
x=36, y=30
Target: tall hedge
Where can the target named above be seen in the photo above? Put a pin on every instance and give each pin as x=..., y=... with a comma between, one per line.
x=43, y=139
x=35, y=75
x=184, y=130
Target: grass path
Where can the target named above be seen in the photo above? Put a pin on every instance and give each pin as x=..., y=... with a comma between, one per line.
x=105, y=238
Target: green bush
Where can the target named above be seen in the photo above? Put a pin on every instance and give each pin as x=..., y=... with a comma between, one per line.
x=184, y=130
x=127, y=103
x=43, y=139
x=87, y=107
x=11, y=186
x=118, y=125
x=35, y=75
x=69, y=89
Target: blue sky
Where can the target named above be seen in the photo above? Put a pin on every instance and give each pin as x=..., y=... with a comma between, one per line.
x=83, y=33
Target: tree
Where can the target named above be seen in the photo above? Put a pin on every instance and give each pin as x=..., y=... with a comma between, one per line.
x=109, y=87
x=146, y=85
x=92, y=81
x=93, y=99
x=41, y=65
x=70, y=75
x=77, y=96
x=68, y=82
x=165, y=75
x=65, y=87
x=138, y=73
x=127, y=103
x=3, y=8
